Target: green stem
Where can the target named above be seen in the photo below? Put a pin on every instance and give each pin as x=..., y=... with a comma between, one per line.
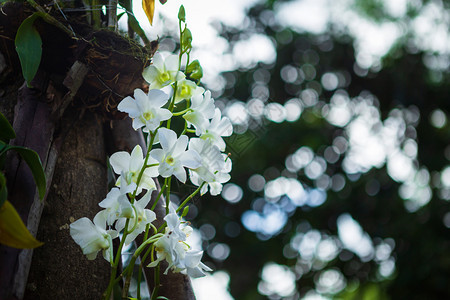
x=185, y=128
x=156, y=283
x=172, y=102
x=129, y=268
x=144, y=166
x=181, y=112
x=135, y=221
x=190, y=197
x=168, y=194
x=175, y=86
x=3, y=149
x=112, y=279
x=138, y=293
x=188, y=54
x=49, y=19
x=160, y=193
x=141, y=266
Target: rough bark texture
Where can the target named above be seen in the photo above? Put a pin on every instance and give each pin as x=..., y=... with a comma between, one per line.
x=77, y=77
x=59, y=269
x=31, y=113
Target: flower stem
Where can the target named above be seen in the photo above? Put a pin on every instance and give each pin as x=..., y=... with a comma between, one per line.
x=49, y=19
x=156, y=283
x=135, y=221
x=190, y=197
x=112, y=279
x=169, y=180
x=176, y=114
x=129, y=269
x=160, y=193
x=144, y=166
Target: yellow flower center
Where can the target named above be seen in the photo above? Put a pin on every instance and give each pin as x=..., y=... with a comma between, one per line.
x=148, y=115
x=170, y=160
x=185, y=91
x=164, y=76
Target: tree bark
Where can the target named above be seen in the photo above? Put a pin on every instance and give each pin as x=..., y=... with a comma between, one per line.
x=59, y=269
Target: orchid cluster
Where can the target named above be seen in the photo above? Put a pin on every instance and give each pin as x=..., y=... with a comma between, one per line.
x=197, y=153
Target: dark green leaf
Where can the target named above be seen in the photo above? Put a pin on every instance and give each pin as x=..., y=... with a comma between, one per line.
x=3, y=149
x=6, y=130
x=29, y=47
x=134, y=24
x=3, y=189
x=34, y=162
x=120, y=15
x=127, y=5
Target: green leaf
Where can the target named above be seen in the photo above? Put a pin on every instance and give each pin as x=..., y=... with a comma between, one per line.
x=3, y=189
x=182, y=14
x=134, y=24
x=29, y=47
x=132, y=21
x=120, y=15
x=13, y=232
x=6, y=130
x=34, y=162
x=162, y=297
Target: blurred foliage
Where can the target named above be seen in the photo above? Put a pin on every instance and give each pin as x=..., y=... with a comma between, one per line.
x=413, y=234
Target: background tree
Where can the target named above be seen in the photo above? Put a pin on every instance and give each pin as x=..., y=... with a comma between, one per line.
x=350, y=198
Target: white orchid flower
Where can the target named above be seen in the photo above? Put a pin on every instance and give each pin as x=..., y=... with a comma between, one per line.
x=218, y=127
x=186, y=89
x=212, y=160
x=140, y=219
x=116, y=206
x=162, y=72
x=173, y=157
x=129, y=167
x=146, y=109
x=193, y=265
x=174, y=226
x=201, y=110
x=93, y=237
x=173, y=248
x=215, y=185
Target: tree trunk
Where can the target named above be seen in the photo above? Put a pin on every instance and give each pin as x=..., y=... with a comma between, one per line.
x=59, y=269
x=76, y=91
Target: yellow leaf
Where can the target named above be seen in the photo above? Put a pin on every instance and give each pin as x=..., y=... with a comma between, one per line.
x=149, y=9
x=13, y=232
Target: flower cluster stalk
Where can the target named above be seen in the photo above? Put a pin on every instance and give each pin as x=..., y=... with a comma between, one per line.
x=195, y=154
